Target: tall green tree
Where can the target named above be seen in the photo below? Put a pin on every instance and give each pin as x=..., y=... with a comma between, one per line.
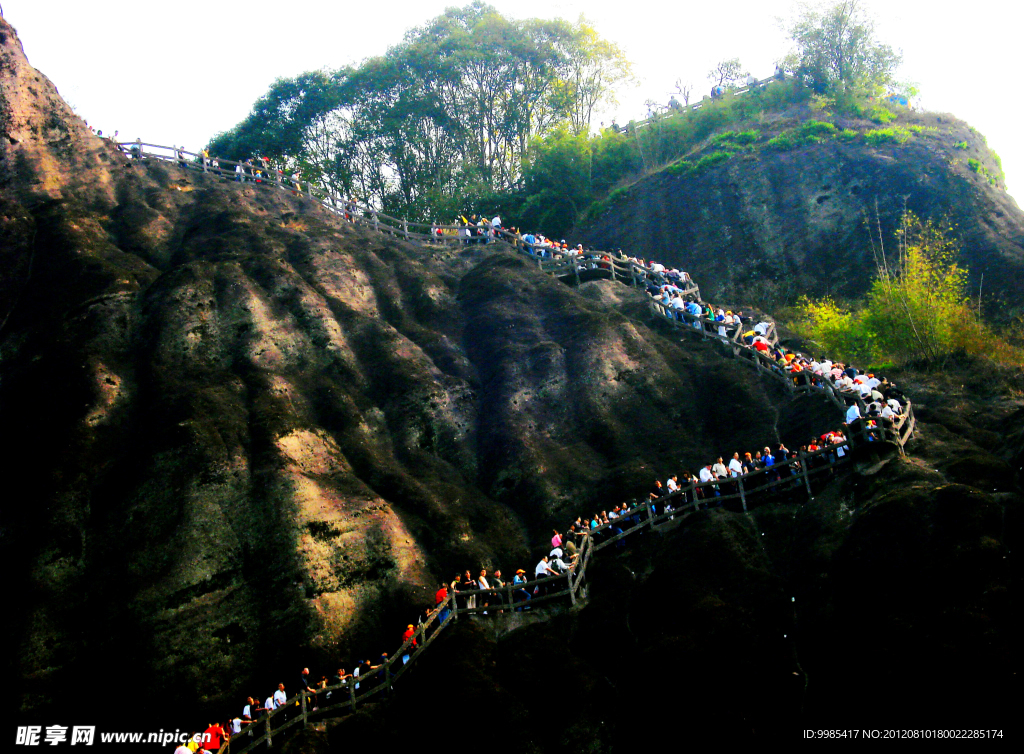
x=837, y=50
x=450, y=111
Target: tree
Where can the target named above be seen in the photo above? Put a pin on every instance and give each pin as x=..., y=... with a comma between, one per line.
x=684, y=90
x=837, y=50
x=917, y=307
x=594, y=68
x=727, y=73
x=447, y=113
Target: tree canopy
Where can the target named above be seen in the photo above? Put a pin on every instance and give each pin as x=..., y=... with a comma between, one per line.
x=450, y=111
x=837, y=50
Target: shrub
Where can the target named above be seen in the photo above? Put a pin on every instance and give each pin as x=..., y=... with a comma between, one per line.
x=816, y=129
x=916, y=309
x=974, y=165
x=616, y=195
x=685, y=167
x=783, y=141
x=736, y=138
x=710, y=160
x=960, y=145
x=891, y=135
x=880, y=114
x=680, y=167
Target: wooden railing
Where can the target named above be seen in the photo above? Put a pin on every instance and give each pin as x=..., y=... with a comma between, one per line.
x=566, y=587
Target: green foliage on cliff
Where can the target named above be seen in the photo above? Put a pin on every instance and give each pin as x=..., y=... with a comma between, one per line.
x=917, y=308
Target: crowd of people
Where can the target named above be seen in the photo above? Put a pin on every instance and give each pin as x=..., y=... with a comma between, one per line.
x=488, y=592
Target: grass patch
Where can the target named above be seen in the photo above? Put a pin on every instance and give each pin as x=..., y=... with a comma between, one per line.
x=892, y=135
x=809, y=132
x=685, y=167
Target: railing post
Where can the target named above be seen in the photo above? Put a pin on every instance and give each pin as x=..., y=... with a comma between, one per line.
x=266, y=722
x=352, y=694
x=743, y=495
x=693, y=491
x=576, y=272
x=572, y=590
x=305, y=715
x=376, y=222
x=804, y=470
x=405, y=228
x=455, y=606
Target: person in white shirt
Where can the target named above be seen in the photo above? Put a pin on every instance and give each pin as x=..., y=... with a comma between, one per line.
x=279, y=696
x=706, y=475
x=718, y=470
x=269, y=704
x=852, y=413
x=543, y=569
x=560, y=565
x=735, y=467
x=672, y=483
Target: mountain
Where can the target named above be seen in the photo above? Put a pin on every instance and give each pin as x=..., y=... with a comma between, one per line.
x=243, y=435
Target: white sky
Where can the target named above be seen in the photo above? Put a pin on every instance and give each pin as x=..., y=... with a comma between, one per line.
x=180, y=72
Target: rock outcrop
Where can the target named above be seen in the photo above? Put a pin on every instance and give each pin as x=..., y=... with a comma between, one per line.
x=768, y=226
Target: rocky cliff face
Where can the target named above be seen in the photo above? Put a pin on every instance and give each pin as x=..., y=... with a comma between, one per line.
x=242, y=430
x=768, y=226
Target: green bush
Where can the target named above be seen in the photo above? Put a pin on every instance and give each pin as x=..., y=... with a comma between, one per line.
x=784, y=141
x=680, y=167
x=848, y=134
x=974, y=165
x=616, y=195
x=816, y=129
x=685, y=167
x=872, y=112
x=880, y=114
x=960, y=145
x=892, y=135
x=710, y=160
x=736, y=138
x=809, y=132
x=916, y=309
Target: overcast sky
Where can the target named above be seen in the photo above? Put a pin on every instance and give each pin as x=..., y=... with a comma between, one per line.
x=181, y=72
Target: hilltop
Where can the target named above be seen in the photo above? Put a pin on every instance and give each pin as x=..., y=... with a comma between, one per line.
x=794, y=203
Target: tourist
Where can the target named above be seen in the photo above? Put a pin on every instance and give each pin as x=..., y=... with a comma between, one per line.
x=213, y=737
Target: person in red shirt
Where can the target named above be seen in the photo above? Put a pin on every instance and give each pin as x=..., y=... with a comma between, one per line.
x=410, y=631
x=213, y=737
x=441, y=596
